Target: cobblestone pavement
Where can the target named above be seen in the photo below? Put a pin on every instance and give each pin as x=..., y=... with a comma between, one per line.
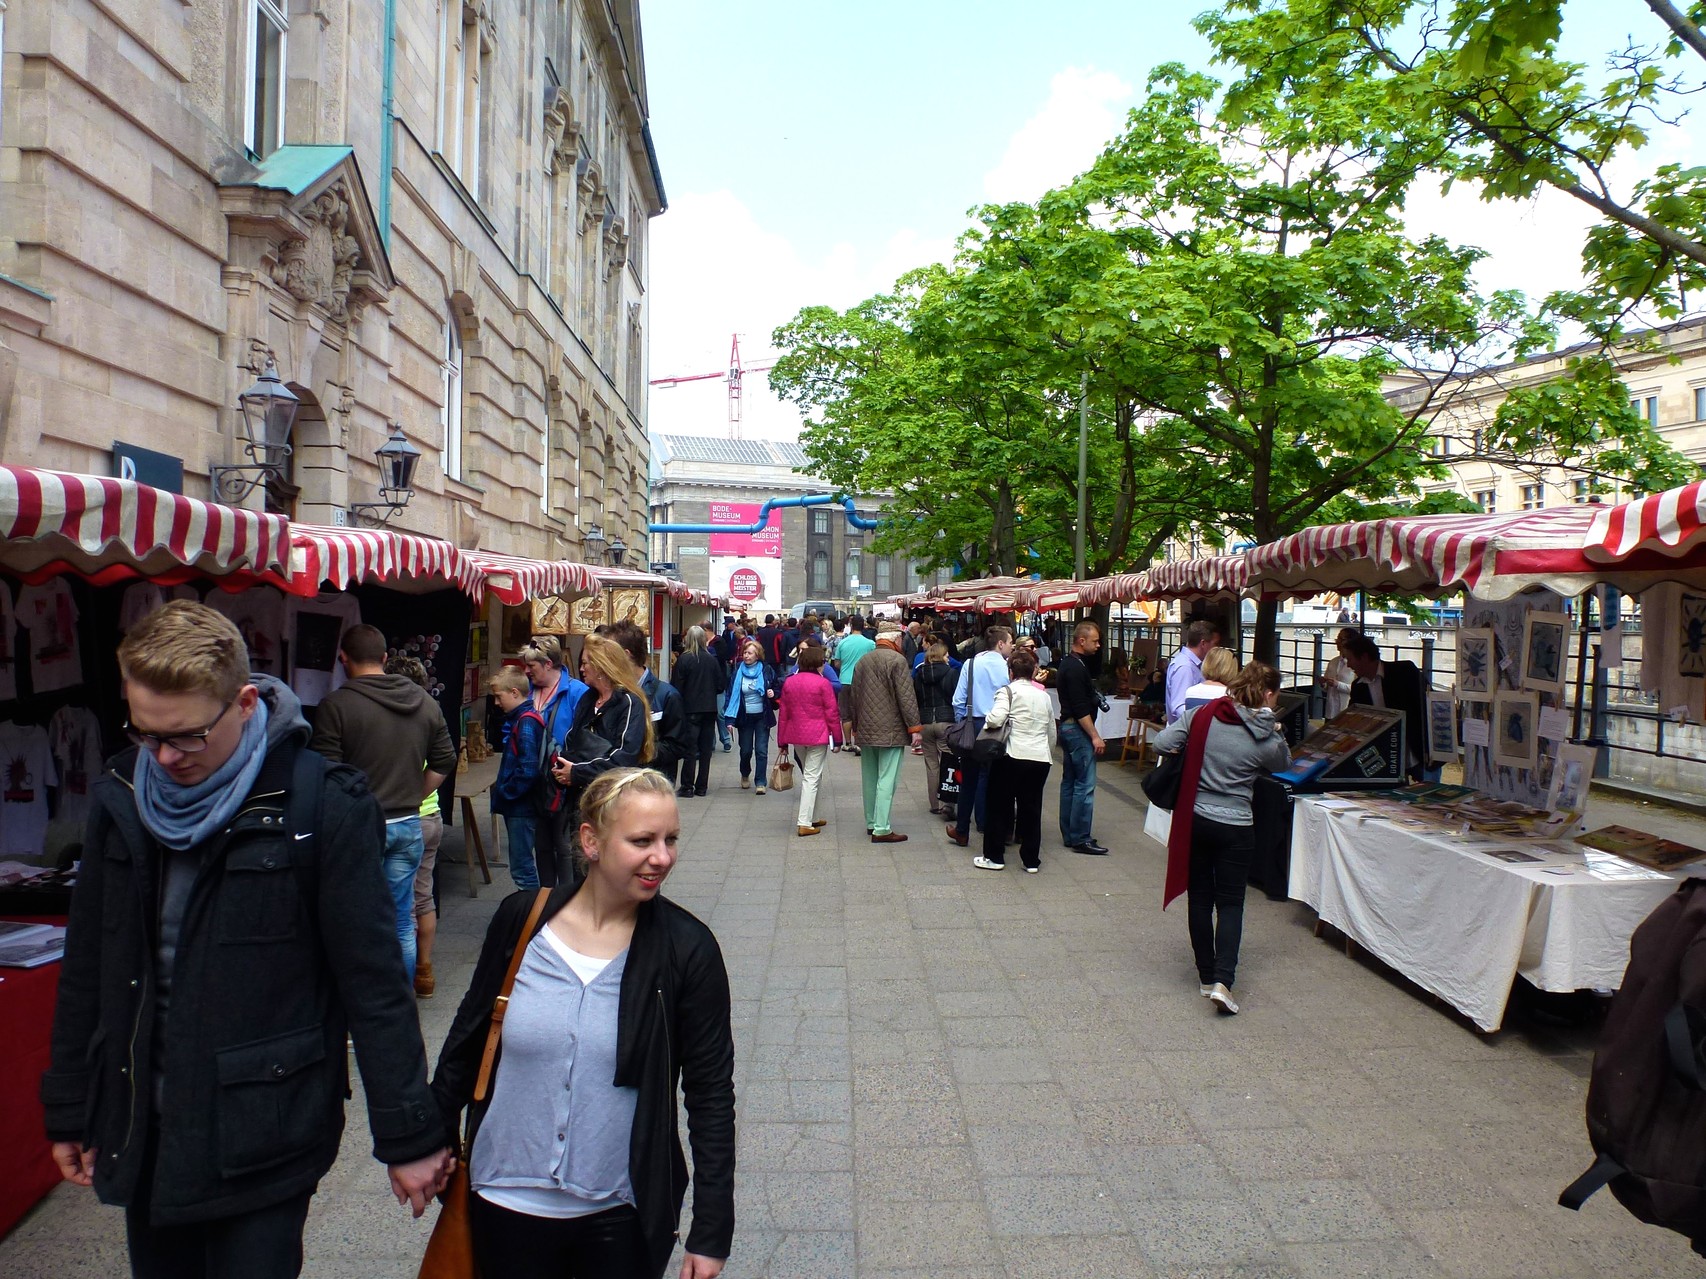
x=955, y=1074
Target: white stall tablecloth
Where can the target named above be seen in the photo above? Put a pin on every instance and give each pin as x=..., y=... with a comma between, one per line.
x=1112, y=724
x=1457, y=922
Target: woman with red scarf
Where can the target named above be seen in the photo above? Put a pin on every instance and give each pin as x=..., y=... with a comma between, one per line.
x=1228, y=743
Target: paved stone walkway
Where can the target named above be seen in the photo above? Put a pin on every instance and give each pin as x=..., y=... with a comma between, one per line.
x=949, y=1073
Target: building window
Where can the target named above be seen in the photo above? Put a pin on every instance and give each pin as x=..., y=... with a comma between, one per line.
x=1487, y=500
x=1699, y=391
x=450, y=416
x=885, y=579
x=2, y=63
x=263, y=118
x=1475, y=442
x=464, y=82
x=1647, y=408
x=1580, y=491
x=1533, y=497
x=545, y=470
x=820, y=520
x=820, y=573
x=852, y=568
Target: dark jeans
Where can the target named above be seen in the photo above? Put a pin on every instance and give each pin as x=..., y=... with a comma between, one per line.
x=974, y=785
x=264, y=1244
x=514, y=1245
x=1220, y=869
x=1017, y=784
x=702, y=742
x=754, y=738
x=1077, y=784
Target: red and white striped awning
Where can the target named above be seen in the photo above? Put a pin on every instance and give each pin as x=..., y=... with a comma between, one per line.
x=1491, y=556
x=1205, y=576
x=515, y=579
x=673, y=587
x=339, y=558
x=1672, y=523
x=109, y=530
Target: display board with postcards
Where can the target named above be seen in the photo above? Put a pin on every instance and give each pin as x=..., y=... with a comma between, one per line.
x=1339, y=739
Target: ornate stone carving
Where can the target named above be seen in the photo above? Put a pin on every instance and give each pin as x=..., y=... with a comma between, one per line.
x=319, y=266
x=615, y=247
x=562, y=130
x=589, y=189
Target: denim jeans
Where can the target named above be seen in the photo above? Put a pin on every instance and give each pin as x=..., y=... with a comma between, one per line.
x=404, y=848
x=974, y=791
x=754, y=738
x=1077, y=784
x=523, y=869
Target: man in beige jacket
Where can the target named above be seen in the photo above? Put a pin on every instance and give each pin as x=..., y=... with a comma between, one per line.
x=884, y=715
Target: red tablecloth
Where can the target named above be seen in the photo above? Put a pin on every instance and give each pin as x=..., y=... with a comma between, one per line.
x=26, y=1011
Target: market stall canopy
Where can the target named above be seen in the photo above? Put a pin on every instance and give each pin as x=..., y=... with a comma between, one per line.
x=676, y=589
x=339, y=558
x=1204, y=577
x=111, y=530
x=1491, y=556
x=515, y=580
x=1652, y=539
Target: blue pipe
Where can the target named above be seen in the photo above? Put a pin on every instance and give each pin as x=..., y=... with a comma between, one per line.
x=776, y=503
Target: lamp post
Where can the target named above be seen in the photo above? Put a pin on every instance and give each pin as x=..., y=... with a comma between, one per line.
x=397, y=460
x=618, y=549
x=593, y=538
x=269, y=411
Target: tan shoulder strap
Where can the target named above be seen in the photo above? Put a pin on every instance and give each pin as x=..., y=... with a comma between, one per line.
x=502, y=1004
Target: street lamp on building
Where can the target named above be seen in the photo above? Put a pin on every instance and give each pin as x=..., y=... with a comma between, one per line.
x=618, y=549
x=269, y=411
x=593, y=537
x=397, y=462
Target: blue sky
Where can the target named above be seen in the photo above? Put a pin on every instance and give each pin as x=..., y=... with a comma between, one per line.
x=812, y=151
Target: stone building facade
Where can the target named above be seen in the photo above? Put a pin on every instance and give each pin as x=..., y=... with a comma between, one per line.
x=823, y=555
x=438, y=223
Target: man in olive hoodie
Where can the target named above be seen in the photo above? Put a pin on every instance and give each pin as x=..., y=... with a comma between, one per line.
x=383, y=724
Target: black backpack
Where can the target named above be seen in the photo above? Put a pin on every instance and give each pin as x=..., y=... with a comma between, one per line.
x=1646, y=1108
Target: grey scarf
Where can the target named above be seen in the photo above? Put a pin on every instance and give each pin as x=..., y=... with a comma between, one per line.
x=183, y=816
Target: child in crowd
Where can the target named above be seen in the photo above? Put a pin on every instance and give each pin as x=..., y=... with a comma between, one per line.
x=518, y=771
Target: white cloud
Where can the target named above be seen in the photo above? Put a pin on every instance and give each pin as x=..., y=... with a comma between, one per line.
x=716, y=271
x=1084, y=111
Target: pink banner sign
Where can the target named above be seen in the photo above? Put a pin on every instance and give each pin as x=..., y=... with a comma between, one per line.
x=766, y=543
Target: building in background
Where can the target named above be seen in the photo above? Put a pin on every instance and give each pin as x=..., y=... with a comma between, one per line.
x=440, y=224
x=805, y=553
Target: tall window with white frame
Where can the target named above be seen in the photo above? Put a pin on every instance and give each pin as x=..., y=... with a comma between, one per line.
x=545, y=469
x=263, y=108
x=1487, y=500
x=450, y=416
x=1533, y=497
x=2, y=63
x=464, y=61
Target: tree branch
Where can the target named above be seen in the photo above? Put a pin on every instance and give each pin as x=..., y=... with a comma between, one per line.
x=1681, y=27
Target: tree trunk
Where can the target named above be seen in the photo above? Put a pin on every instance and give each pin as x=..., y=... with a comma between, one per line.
x=1267, y=631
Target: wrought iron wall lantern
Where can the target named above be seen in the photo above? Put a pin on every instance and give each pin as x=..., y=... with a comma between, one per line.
x=397, y=462
x=269, y=411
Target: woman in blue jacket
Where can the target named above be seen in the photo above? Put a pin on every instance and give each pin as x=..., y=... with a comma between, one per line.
x=751, y=707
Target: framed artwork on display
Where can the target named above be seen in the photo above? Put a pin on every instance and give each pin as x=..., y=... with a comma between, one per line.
x=1691, y=645
x=479, y=638
x=1571, y=773
x=550, y=615
x=1477, y=673
x=1516, y=730
x=471, y=685
x=1545, y=642
x=1442, y=728
x=632, y=604
x=588, y=613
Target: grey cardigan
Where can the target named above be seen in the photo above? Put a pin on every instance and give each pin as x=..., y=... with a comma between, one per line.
x=1232, y=759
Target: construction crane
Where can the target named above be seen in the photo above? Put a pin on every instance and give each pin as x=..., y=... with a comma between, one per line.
x=732, y=375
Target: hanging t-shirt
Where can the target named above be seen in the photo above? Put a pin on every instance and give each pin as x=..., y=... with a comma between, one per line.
x=317, y=628
x=26, y=771
x=74, y=737
x=142, y=598
x=49, y=614
x=8, y=646
x=1673, y=648
x=259, y=614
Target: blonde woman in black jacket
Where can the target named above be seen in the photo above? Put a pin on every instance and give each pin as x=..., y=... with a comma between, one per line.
x=621, y=1004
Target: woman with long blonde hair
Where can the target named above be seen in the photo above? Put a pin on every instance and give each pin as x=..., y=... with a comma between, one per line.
x=612, y=729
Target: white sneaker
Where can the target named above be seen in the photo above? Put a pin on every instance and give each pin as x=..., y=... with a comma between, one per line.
x=758, y=790
x=1033, y=870
x=983, y=863
x=1204, y=991
x=1223, y=1001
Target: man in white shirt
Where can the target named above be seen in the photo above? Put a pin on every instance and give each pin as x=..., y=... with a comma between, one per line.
x=983, y=675
x=1184, y=672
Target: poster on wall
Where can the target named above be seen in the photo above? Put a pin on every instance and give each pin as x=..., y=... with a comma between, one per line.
x=751, y=583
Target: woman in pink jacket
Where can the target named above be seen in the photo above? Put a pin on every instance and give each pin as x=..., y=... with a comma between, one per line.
x=808, y=720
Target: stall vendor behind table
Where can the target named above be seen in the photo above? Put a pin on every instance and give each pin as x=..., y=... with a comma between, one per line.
x=1397, y=685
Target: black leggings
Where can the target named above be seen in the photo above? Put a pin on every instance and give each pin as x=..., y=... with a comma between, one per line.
x=515, y=1245
x=1220, y=869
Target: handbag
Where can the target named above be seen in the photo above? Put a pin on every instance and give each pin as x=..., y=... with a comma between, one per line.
x=1161, y=783
x=962, y=735
x=948, y=787
x=991, y=743
x=782, y=774
x=450, y=1250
